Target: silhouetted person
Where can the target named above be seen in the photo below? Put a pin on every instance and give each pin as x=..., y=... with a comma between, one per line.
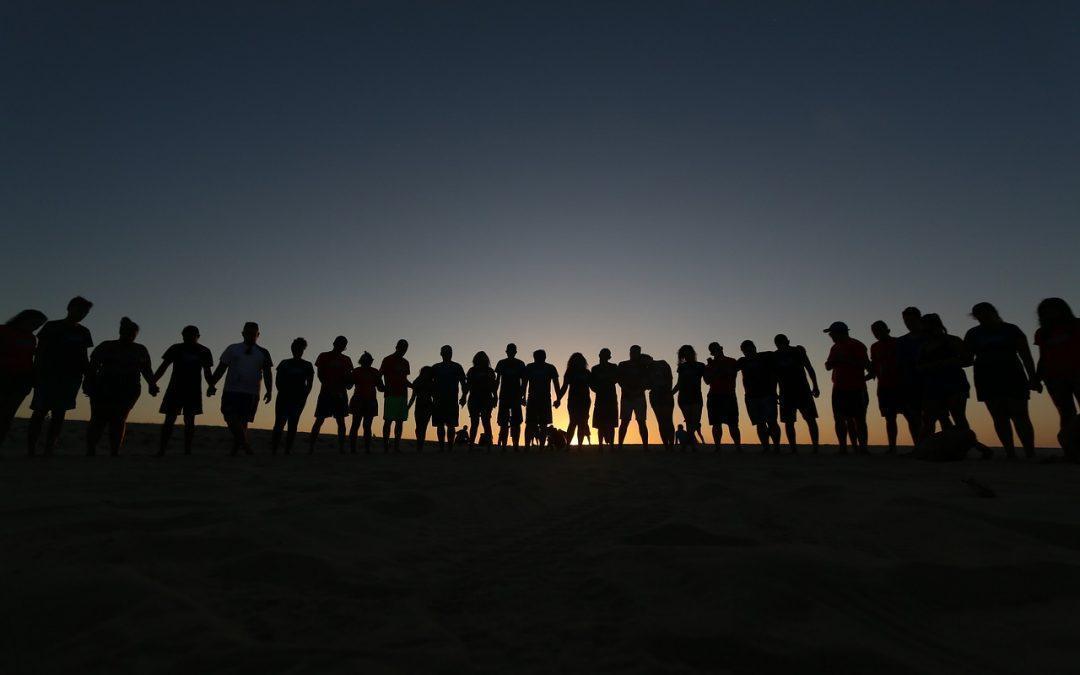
x=849, y=363
x=941, y=364
x=448, y=377
x=113, y=385
x=367, y=382
x=540, y=378
x=509, y=378
x=683, y=439
x=722, y=403
x=482, y=396
x=759, y=393
x=908, y=347
x=602, y=381
x=423, y=392
x=334, y=370
x=17, y=347
x=1058, y=339
x=59, y=365
x=395, y=374
x=576, y=386
x=691, y=374
x=191, y=364
x=245, y=365
x=662, y=399
x=885, y=368
x=556, y=438
x=633, y=379
x=796, y=394
x=462, y=436
x=295, y=378
x=1004, y=376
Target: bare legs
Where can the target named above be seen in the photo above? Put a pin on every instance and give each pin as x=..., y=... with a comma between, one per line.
x=189, y=433
x=397, y=435
x=288, y=424
x=340, y=419
x=37, y=421
x=366, y=421
x=1007, y=415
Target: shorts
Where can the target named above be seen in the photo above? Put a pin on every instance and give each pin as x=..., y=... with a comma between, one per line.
x=538, y=412
x=289, y=408
x=175, y=402
x=890, y=401
x=395, y=408
x=445, y=413
x=799, y=402
x=850, y=403
x=364, y=407
x=722, y=409
x=691, y=411
x=509, y=411
x=761, y=409
x=332, y=404
x=239, y=405
x=52, y=393
x=632, y=406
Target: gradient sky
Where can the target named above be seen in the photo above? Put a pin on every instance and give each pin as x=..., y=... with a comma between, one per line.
x=565, y=175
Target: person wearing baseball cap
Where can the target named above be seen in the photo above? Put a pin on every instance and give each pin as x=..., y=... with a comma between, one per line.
x=849, y=363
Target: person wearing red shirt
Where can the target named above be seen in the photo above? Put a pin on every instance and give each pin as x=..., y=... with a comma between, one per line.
x=721, y=403
x=1058, y=340
x=365, y=404
x=395, y=373
x=849, y=362
x=17, y=346
x=885, y=368
x=334, y=370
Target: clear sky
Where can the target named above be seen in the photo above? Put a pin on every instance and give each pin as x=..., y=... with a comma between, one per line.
x=564, y=175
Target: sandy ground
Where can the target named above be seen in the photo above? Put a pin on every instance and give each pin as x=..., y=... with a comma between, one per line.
x=533, y=563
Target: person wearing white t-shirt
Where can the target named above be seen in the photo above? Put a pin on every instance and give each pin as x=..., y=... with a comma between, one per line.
x=245, y=365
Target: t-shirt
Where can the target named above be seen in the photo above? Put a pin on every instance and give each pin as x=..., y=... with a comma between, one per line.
x=790, y=367
x=691, y=373
x=660, y=376
x=447, y=375
x=511, y=372
x=633, y=376
x=849, y=360
x=908, y=348
x=116, y=366
x=188, y=361
x=395, y=372
x=720, y=373
x=294, y=378
x=1059, y=351
x=334, y=371
x=16, y=351
x=62, y=347
x=366, y=382
x=995, y=348
x=540, y=376
x=481, y=383
x=245, y=367
x=885, y=363
x=759, y=375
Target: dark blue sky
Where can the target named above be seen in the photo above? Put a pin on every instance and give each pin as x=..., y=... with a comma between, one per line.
x=569, y=175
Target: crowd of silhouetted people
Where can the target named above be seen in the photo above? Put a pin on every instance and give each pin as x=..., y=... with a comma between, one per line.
x=920, y=376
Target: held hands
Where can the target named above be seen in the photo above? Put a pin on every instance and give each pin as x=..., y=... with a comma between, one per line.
x=558, y=402
x=211, y=390
x=1036, y=386
x=267, y=396
x=816, y=392
x=463, y=400
x=153, y=389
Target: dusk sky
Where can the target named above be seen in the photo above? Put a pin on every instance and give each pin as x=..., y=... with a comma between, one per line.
x=563, y=175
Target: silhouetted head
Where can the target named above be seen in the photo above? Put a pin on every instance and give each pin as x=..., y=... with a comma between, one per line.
x=401, y=347
x=605, y=355
x=1054, y=312
x=933, y=325
x=985, y=313
x=748, y=348
x=77, y=308
x=511, y=350
x=686, y=354
x=28, y=320
x=679, y=428
x=540, y=356
x=340, y=343
x=481, y=360
x=635, y=352
x=781, y=341
x=576, y=363
x=250, y=332
x=129, y=330
x=366, y=359
x=425, y=374
x=298, y=346
x=190, y=334
x=912, y=319
x=838, y=330
x=447, y=352
x=880, y=329
x=715, y=349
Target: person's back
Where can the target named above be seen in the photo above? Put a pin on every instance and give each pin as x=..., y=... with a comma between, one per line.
x=293, y=377
x=540, y=376
x=660, y=380
x=691, y=374
x=117, y=367
x=602, y=380
x=994, y=347
x=17, y=349
x=632, y=377
x=790, y=370
x=189, y=361
x=886, y=365
x=245, y=364
x=510, y=372
x=481, y=384
x=759, y=375
x=334, y=370
x=721, y=374
x=447, y=375
x=62, y=348
x=366, y=380
x=1059, y=351
x=848, y=359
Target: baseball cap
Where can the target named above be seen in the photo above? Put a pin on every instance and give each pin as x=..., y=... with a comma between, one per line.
x=837, y=326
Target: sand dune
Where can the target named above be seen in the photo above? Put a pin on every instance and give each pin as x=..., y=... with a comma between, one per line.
x=533, y=563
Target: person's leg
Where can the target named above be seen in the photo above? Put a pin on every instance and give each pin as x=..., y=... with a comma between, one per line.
x=368, y=419
x=861, y=432
x=515, y=434
x=166, y=433
x=958, y=411
x=789, y=429
x=440, y=431
x=340, y=419
x=244, y=444
x=95, y=428
x=487, y=430
x=503, y=433
x=117, y=429
x=1024, y=430
x=1000, y=414
x=623, y=426
x=914, y=424
x=397, y=435
x=643, y=431
x=292, y=426
x=736, y=436
x=189, y=432
x=33, y=430
x=763, y=435
x=275, y=438
x=841, y=433
x=717, y=436
x=313, y=437
x=474, y=428
x=8, y=407
x=354, y=428
x=891, y=431
x=52, y=436
x=815, y=434
x=385, y=434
